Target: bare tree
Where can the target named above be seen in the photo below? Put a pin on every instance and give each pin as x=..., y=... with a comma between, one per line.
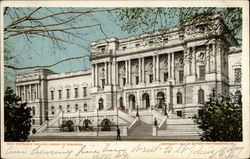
x=60, y=26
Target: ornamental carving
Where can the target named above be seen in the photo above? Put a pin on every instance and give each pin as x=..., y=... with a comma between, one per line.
x=201, y=57
x=180, y=63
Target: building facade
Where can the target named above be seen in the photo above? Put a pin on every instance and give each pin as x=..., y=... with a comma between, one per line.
x=172, y=71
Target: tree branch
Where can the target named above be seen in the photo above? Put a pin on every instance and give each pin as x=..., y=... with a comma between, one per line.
x=41, y=66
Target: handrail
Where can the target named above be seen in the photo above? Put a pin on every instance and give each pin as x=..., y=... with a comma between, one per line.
x=48, y=123
x=132, y=125
x=126, y=116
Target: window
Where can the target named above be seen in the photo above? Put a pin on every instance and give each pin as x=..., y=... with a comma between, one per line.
x=201, y=96
x=179, y=98
x=237, y=73
x=60, y=107
x=84, y=91
x=150, y=43
x=52, y=110
x=136, y=79
x=179, y=113
x=76, y=92
x=124, y=81
x=60, y=94
x=52, y=95
x=68, y=108
x=85, y=107
x=181, y=74
x=150, y=78
x=33, y=111
x=137, y=45
x=103, y=83
x=124, y=48
x=76, y=107
x=238, y=97
x=165, y=76
x=202, y=72
x=67, y=93
x=33, y=121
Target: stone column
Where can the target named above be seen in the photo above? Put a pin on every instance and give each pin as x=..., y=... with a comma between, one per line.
x=24, y=90
x=173, y=73
x=153, y=68
x=126, y=72
x=110, y=73
x=140, y=70
x=143, y=70
x=30, y=87
x=169, y=73
x=93, y=74
x=157, y=68
x=117, y=73
x=106, y=73
x=214, y=58
x=193, y=62
x=96, y=75
x=188, y=62
x=207, y=55
x=129, y=71
x=37, y=89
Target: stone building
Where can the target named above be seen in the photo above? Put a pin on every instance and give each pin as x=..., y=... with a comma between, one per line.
x=166, y=72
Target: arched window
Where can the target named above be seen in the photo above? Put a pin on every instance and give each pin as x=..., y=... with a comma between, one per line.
x=85, y=107
x=68, y=108
x=33, y=111
x=52, y=110
x=60, y=107
x=132, y=101
x=160, y=100
x=179, y=98
x=201, y=96
x=121, y=102
x=145, y=100
x=100, y=102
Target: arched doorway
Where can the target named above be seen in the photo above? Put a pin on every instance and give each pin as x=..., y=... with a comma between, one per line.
x=145, y=100
x=132, y=101
x=87, y=125
x=100, y=103
x=160, y=99
x=105, y=124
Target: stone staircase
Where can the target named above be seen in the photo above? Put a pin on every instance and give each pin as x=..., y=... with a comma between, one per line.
x=142, y=130
x=181, y=127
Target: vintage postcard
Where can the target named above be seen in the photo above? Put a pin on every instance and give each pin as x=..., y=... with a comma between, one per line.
x=124, y=79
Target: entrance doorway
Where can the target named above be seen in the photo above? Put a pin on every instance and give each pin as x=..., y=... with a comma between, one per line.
x=132, y=101
x=145, y=100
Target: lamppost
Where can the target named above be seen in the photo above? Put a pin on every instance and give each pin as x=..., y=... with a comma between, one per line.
x=165, y=111
x=97, y=122
x=47, y=119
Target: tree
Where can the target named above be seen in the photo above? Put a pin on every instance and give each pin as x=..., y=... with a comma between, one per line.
x=221, y=119
x=60, y=26
x=150, y=19
x=17, y=117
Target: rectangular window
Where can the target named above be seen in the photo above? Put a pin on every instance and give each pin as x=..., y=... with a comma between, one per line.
x=202, y=72
x=165, y=76
x=237, y=73
x=60, y=94
x=52, y=110
x=76, y=92
x=179, y=113
x=103, y=83
x=150, y=78
x=181, y=74
x=84, y=91
x=124, y=81
x=136, y=79
x=67, y=93
x=52, y=95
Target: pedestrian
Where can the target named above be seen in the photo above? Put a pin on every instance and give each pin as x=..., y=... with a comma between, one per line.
x=118, y=133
